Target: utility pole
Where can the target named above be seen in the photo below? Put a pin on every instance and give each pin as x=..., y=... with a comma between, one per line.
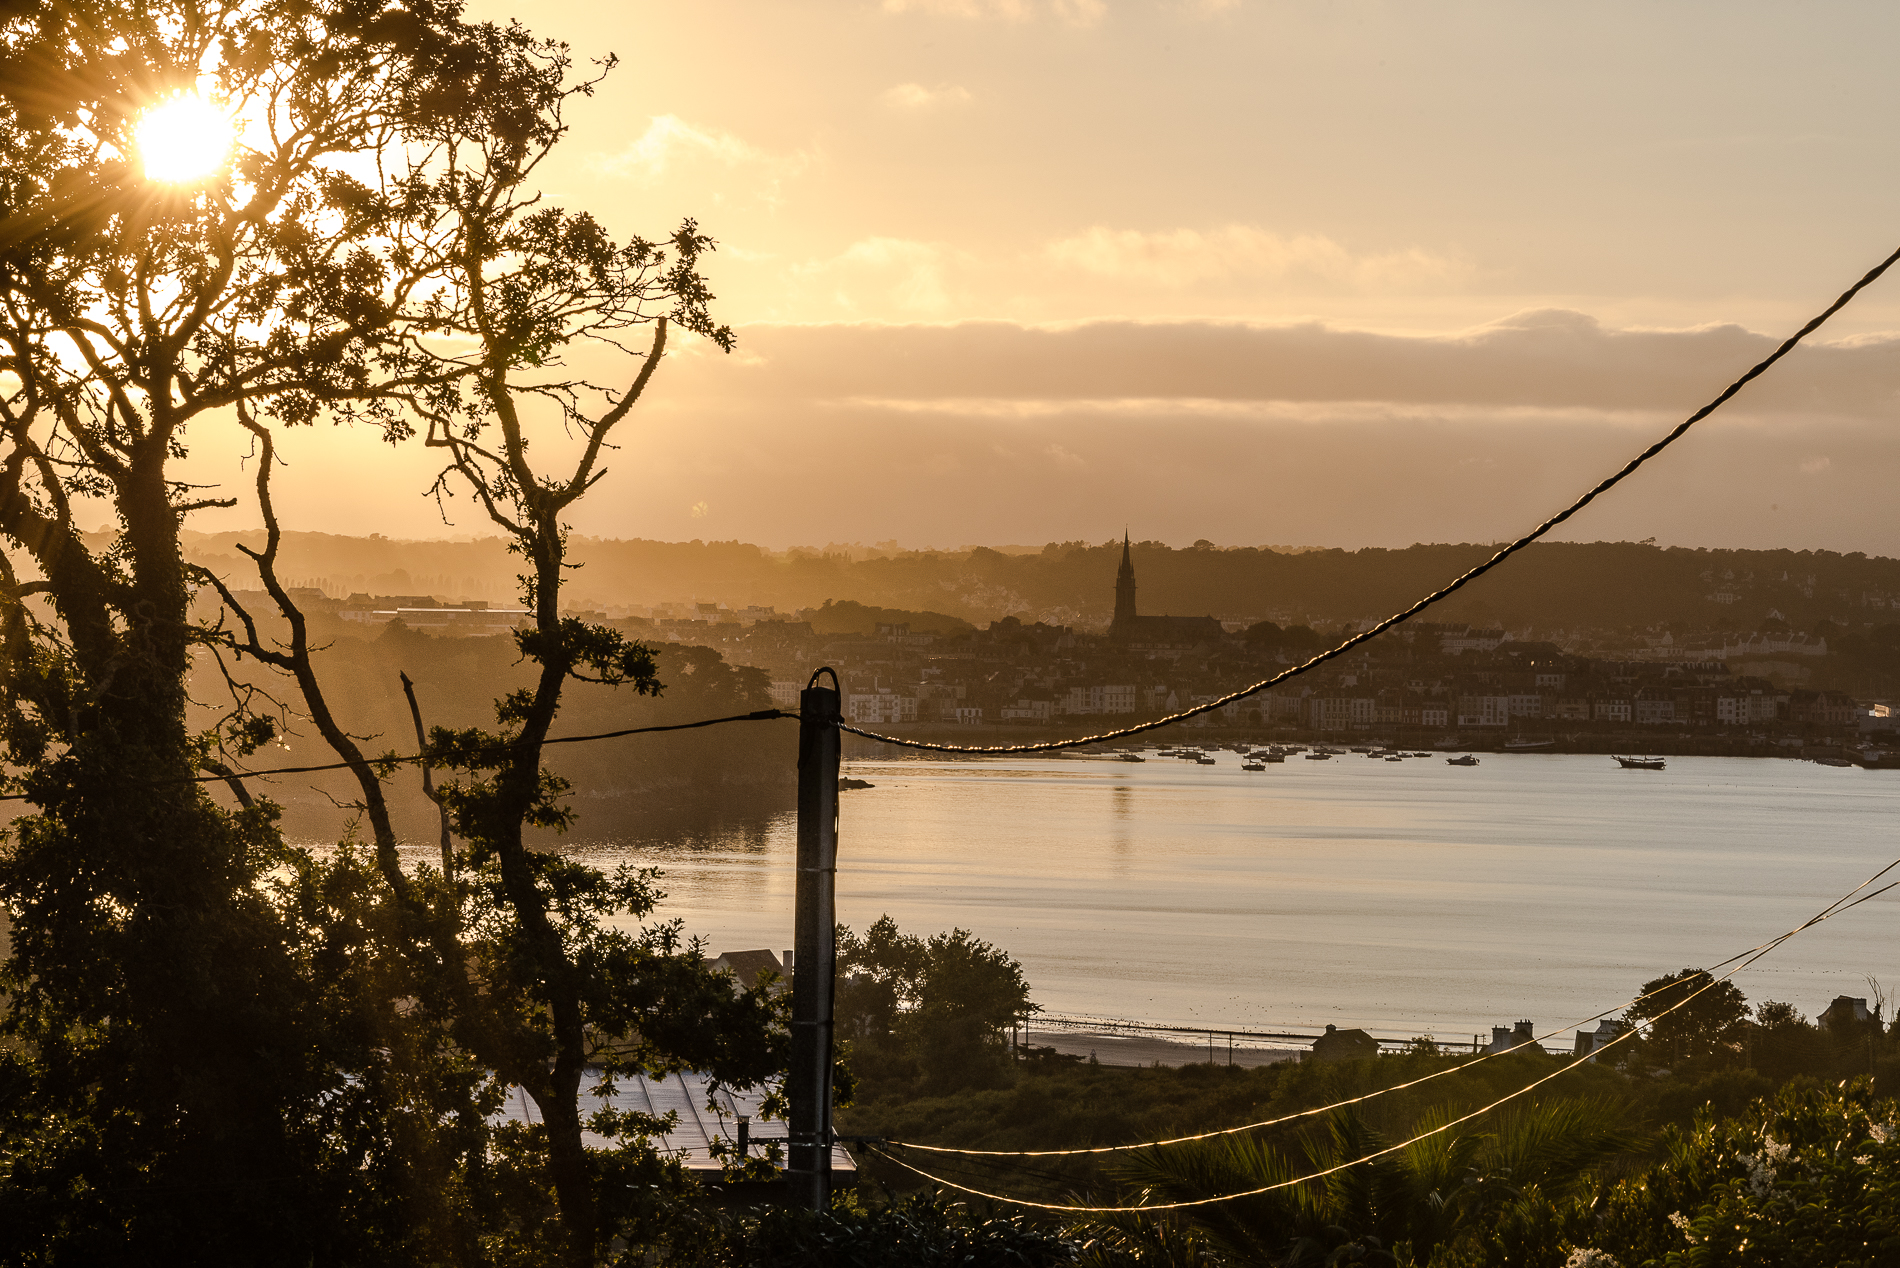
x=814, y=943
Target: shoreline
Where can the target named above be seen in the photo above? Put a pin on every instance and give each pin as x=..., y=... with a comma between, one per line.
x=1120, y=1049
x=1674, y=744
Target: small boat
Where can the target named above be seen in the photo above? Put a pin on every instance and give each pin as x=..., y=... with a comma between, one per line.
x=1251, y=766
x=1132, y=757
x=1319, y=755
x=1272, y=757
x=1395, y=758
x=1833, y=761
x=1466, y=760
x=1639, y=763
x=1519, y=745
x=1205, y=761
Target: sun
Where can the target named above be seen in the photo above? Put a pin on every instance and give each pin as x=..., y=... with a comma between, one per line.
x=183, y=139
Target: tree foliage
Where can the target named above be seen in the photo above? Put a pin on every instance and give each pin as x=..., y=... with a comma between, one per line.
x=1692, y=1016
x=222, y=1047
x=940, y=1006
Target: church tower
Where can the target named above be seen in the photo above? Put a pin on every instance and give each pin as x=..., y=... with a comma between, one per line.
x=1124, y=590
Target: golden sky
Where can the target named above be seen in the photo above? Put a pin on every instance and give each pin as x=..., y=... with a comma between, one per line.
x=1346, y=273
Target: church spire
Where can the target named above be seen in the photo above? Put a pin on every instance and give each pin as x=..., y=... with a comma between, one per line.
x=1124, y=588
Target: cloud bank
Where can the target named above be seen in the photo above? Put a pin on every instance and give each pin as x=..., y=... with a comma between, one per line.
x=945, y=434
x=1183, y=257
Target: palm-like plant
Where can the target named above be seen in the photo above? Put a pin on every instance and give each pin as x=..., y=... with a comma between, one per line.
x=1425, y=1194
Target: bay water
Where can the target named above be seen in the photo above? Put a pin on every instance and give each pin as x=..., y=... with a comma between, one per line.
x=1405, y=897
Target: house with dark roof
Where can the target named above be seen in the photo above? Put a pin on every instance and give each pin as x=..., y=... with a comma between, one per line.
x=747, y=967
x=1344, y=1045
x=1589, y=1042
x=1503, y=1040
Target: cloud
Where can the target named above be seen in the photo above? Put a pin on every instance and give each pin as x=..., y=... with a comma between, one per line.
x=1539, y=360
x=913, y=277
x=918, y=97
x=1184, y=257
x=998, y=431
x=1074, y=12
x=670, y=142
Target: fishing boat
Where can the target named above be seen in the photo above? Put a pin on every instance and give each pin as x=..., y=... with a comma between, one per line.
x=1467, y=760
x=1639, y=763
x=1251, y=766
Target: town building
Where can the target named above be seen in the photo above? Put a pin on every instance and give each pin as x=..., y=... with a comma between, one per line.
x=1134, y=630
x=1344, y=1045
x=1504, y=1040
x=1590, y=1042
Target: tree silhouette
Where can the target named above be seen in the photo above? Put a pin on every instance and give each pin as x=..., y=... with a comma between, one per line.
x=222, y=1043
x=1692, y=1016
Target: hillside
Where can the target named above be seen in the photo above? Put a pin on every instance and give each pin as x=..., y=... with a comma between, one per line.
x=1550, y=586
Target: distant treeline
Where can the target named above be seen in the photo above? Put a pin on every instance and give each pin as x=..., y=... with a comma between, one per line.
x=1560, y=585
x=636, y=790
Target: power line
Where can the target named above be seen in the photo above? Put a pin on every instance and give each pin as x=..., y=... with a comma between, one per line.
x=758, y=715
x=1833, y=909
x=1748, y=957
x=1435, y=596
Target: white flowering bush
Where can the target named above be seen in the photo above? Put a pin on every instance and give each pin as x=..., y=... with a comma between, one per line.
x=1811, y=1178
x=1585, y=1257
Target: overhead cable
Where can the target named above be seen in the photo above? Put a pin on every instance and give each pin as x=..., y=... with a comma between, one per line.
x=1435, y=596
x=1835, y=908
x=757, y=715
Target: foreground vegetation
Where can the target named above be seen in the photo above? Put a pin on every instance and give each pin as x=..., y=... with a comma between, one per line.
x=1717, y=1135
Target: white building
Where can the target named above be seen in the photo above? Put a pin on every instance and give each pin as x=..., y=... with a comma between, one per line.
x=1610, y=709
x=880, y=708
x=1114, y=698
x=1484, y=710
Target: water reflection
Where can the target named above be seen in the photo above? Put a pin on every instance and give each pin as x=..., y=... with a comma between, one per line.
x=1121, y=835
x=1403, y=897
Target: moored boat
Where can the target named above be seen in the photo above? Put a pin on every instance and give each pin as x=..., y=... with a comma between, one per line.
x=1467, y=760
x=1639, y=763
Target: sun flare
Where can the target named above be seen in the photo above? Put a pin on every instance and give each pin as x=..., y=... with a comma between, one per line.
x=184, y=139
